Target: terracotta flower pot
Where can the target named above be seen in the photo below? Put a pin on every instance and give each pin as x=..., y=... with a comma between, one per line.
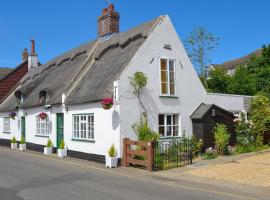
x=107, y=106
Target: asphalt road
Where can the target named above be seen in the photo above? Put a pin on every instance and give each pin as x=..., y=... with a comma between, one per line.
x=28, y=177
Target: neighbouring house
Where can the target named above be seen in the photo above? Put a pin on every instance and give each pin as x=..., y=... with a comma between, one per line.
x=9, y=78
x=68, y=91
x=230, y=66
x=205, y=118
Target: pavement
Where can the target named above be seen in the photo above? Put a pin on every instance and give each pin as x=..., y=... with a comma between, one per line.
x=32, y=176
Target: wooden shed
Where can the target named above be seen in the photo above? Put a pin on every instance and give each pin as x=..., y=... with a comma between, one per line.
x=205, y=118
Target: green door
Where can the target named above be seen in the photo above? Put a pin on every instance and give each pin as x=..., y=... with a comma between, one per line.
x=59, y=128
x=23, y=127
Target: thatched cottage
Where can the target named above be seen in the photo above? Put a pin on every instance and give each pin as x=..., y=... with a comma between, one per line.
x=70, y=87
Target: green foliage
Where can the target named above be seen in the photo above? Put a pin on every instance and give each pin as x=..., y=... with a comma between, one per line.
x=50, y=144
x=218, y=80
x=196, y=146
x=242, y=82
x=260, y=117
x=143, y=130
x=221, y=138
x=62, y=144
x=250, y=148
x=243, y=129
x=198, y=45
x=22, y=140
x=210, y=154
x=112, y=151
x=138, y=82
x=13, y=140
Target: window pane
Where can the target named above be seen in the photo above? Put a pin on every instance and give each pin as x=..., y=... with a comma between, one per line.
x=161, y=119
x=171, y=77
x=171, y=65
x=175, y=131
x=163, y=64
x=164, y=88
x=161, y=131
x=169, y=131
x=163, y=76
x=172, y=91
x=169, y=119
x=175, y=119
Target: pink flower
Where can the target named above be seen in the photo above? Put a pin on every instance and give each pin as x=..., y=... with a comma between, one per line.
x=107, y=101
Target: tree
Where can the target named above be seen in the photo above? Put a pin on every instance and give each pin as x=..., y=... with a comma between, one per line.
x=242, y=82
x=198, y=44
x=218, y=80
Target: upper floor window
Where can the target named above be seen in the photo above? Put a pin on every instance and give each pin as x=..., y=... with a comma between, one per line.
x=6, y=124
x=167, y=76
x=168, y=125
x=83, y=127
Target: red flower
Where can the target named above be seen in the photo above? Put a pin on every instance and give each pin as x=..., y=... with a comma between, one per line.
x=43, y=115
x=107, y=101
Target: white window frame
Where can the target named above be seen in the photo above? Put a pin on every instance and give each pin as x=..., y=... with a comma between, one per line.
x=168, y=76
x=83, y=127
x=172, y=125
x=6, y=124
x=42, y=126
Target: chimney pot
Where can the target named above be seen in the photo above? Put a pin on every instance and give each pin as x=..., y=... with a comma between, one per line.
x=111, y=7
x=24, y=55
x=33, y=49
x=32, y=58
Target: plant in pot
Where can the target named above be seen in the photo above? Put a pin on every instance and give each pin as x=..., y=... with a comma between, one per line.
x=48, y=148
x=12, y=115
x=107, y=103
x=22, y=144
x=62, y=151
x=14, y=144
x=111, y=158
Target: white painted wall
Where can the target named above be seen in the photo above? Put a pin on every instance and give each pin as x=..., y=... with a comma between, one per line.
x=106, y=128
x=189, y=90
x=14, y=127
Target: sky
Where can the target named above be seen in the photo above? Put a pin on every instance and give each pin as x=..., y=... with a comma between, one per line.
x=60, y=25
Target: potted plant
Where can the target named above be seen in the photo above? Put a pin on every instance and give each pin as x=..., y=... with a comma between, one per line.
x=62, y=151
x=111, y=158
x=107, y=103
x=42, y=115
x=12, y=115
x=48, y=148
x=14, y=144
x=22, y=144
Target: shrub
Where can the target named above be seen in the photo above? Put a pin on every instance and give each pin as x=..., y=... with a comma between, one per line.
x=62, y=144
x=196, y=146
x=221, y=138
x=112, y=151
x=50, y=144
x=138, y=82
x=13, y=140
x=23, y=140
x=243, y=129
x=143, y=131
x=210, y=154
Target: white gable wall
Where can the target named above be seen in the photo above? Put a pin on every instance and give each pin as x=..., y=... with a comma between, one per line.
x=189, y=90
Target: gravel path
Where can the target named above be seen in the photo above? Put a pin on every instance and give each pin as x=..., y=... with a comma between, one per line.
x=254, y=170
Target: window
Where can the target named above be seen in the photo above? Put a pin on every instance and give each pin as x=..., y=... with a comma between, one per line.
x=167, y=76
x=43, y=126
x=6, y=124
x=83, y=127
x=168, y=125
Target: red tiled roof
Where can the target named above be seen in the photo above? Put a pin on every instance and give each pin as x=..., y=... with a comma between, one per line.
x=4, y=71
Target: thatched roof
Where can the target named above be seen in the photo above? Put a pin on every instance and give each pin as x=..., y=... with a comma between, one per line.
x=84, y=74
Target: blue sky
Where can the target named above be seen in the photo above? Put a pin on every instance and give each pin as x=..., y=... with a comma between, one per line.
x=59, y=25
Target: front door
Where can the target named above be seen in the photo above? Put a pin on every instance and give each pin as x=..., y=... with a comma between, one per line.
x=23, y=127
x=59, y=128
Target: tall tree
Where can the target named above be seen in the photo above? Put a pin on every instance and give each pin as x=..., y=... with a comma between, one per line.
x=198, y=44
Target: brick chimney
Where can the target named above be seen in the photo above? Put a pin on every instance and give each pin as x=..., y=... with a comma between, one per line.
x=33, y=57
x=24, y=55
x=108, y=22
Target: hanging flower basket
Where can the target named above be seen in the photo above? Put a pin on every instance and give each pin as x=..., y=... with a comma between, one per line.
x=12, y=115
x=107, y=103
x=42, y=115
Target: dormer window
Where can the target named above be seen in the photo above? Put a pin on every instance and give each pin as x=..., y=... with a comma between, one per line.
x=19, y=97
x=43, y=96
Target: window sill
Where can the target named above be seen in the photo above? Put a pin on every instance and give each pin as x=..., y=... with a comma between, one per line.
x=168, y=96
x=6, y=132
x=43, y=136
x=170, y=138
x=82, y=140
